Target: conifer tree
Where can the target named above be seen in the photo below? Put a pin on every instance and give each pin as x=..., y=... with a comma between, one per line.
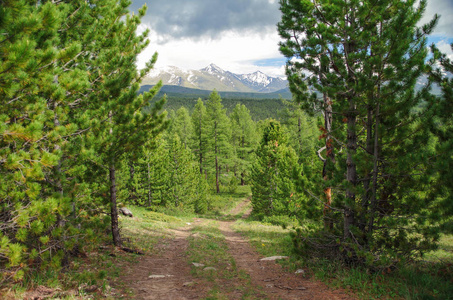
x=200, y=139
x=441, y=125
x=302, y=131
x=34, y=89
x=181, y=124
x=156, y=161
x=219, y=136
x=126, y=127
x=274, y=174
x=244, y=140
x=364, y=57
x=68, y=86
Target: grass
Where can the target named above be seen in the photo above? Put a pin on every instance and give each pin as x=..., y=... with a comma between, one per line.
x=445, y=252
x=431, y=278
x=208, y=246
x=86, y=277
x=147, y=228
x=269, y=240
x=101, y=266
x=221, y=204
x=412, y=281
x=423, y=279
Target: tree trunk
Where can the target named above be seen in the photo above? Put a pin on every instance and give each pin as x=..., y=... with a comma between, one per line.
x=113, y=209
x=58, y=172
x=217, y=184
x=330, y=158
x=351, y=172
x=201, y=161
x=375, y=170
x=242, y=158
x=365, y=202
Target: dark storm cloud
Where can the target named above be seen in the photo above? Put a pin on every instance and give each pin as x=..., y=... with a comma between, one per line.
x=208, y=18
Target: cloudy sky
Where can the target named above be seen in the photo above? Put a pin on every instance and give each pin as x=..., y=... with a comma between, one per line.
x=237, y=35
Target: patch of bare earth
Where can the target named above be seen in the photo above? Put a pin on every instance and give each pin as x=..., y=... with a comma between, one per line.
x=268, y=276
x=165, y=274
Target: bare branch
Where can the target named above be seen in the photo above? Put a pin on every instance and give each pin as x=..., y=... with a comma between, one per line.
x=319, y=154
x=324, y=203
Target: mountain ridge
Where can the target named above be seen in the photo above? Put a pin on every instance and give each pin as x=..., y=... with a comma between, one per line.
x=213, y=77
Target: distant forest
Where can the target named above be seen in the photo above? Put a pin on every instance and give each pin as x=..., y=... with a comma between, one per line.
x=261, y=105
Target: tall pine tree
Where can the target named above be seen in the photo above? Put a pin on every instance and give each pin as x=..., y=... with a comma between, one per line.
x=220, y=153
x=364, y=57
x=243, y=139
x=125, y=128
x=274, y=174
x=441, y=125
x=200, y=139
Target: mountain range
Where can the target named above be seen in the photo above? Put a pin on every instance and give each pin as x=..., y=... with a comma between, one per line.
x=213, y=77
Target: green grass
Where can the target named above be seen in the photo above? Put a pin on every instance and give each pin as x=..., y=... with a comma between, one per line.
x=269, y=240
x=412, y=281
x=445, y=252
x=147, y=228
x=208, y=246
x=431, y=278
x=93, y=269
x=221, y=204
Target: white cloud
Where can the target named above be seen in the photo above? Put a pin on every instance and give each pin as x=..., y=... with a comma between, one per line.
x=232, y=51
x=445, y=47
x=239, y=38
x=444, y=8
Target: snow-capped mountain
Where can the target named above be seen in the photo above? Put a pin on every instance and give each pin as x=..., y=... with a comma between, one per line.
x=214, y=77
x=262, y=83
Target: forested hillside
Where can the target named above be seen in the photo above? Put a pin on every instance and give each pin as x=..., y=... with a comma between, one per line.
x=357, y=161
x=261, y=105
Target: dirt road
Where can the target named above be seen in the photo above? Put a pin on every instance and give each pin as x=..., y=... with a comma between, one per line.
x=167, y=274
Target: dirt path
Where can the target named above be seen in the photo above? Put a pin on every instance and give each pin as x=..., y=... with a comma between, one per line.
x=174, y=280
x=164, y=275
x=268, y=276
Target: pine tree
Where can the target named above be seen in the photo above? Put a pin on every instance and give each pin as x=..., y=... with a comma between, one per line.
x=126, y=127
x=68, y=86
x=200, y=141
x=181, y=177
x=274, y=174
x=181, y=124
x=302, y=130
x=218, y=136
x=34, y=89
x=244, y=140
x=441, y=125
x=364, y=57
x=157, y=176
x=304, y=138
